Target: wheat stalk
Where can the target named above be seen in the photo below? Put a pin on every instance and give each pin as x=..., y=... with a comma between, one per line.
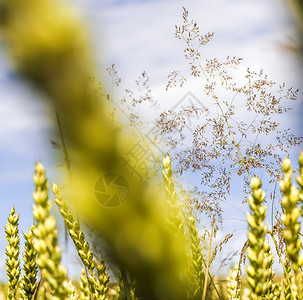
x=256, y=237
x=28, y=281
x=273, y=290
x=98, y=287
x=74, y=230
x=46, y=236
x=103, y=280
x=232, y=284
x=12, y=251
x=175, y=217
x=84, y=288
x=197, y=259
x=290, y=217
x=72, y=291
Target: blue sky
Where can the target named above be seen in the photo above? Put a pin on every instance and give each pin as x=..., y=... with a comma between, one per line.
x=138, y=36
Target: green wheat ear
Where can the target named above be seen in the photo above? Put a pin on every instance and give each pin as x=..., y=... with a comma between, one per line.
x=98, y=287
x=256, y=236
x=72, y=291
x=46, y=236
x=288, y=288
x=84, y=289
x=12, y=251
x=290, y=218
x=175, y=217
x=103, y=280
x=273, y=291
x=197, y=259
x=233, y=290
x=28, y=281
x=74, y=230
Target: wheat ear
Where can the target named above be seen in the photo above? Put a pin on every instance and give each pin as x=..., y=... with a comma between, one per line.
x=197, y=259
x=273, y=290
x=290, y=217
x=12, y=251
x=256, y=237
x=175, y=217
x=45, y=243
x=98, y=287
x=84, y=289
x=233, y=291
x=28, y=281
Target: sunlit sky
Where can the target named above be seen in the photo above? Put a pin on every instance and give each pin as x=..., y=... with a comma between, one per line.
x=138, y=36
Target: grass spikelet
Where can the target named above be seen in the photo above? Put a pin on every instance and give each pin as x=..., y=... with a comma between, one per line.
x=46, y=236
x=256, y=236
x=233, y=291
x=12, y=251
x=28, y=281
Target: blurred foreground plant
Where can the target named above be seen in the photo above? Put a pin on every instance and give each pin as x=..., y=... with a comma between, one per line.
x=57, y=61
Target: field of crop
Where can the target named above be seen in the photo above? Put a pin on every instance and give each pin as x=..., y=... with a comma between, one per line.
x=43, y=253
x=157, y=250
